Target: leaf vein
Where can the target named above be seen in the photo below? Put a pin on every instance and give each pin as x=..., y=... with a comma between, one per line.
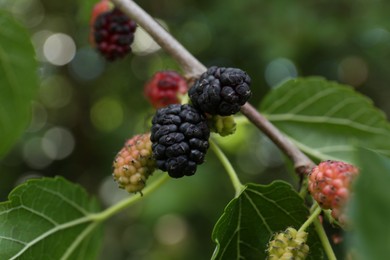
x=238, y=229
x=313, y=99
x=78, y=240
x=39, y=214
x=274, y=202
x=322, y=119
x=13, y=240
x=335, y=148
x=337, y=107
x=71, y=203
x=282, y=100
x=258, y=212
x=50, y=232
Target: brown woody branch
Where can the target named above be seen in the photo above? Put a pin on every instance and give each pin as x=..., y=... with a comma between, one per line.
x=193, y=69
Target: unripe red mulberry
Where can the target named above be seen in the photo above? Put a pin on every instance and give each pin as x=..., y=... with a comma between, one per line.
x=288, y=244
x=134, y=163
x=330, y=183
x=164, y=88
x=99, y=8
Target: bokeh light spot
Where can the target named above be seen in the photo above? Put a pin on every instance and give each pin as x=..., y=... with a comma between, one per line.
x=353, y=71
x=34, y=155
x=171, y=229
x=38, y=117
x=28, y=176
x=107, y=114
x=58, y=143
x=375, y=36
x=279, y=70
x=110, y=193
x=59, y=49
x=144, y=44
x=30, y=12
x=87, y=64
x=55, y=92
x=38, y=39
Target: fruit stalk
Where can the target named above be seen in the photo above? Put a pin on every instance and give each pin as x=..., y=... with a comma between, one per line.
x=238, y=187
x=193, y=69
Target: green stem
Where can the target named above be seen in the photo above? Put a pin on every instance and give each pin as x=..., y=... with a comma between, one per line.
x=238, y=187
x=303, y=189
x=315, y=211
x=241, y=120
x=101, y=216
x=324, y=240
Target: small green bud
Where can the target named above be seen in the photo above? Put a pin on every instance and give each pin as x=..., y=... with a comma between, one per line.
x=223, y=125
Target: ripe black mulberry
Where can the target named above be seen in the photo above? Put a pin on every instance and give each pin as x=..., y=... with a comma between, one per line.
x=179, y=138
x=221, y=91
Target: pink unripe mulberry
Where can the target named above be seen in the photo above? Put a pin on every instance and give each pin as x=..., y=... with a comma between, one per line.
x=330, y=185
x=134, y=163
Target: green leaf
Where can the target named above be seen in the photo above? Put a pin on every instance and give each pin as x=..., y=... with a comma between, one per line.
x=249, y=221
x=49, y=218
x=370, y=212
x=18, y=80
x=325, y=119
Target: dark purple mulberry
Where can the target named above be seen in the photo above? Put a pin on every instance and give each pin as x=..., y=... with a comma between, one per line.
x=221, y=91
x=179, y=138
x=113, y=34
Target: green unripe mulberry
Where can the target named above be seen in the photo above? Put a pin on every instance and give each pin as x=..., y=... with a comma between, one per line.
x=288, y=244
x=223, y=125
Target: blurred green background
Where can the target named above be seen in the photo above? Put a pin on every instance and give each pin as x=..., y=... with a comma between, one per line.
x=86, y=108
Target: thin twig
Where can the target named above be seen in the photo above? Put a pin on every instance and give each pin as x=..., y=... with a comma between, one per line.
x=302, y=163
x=193, y=68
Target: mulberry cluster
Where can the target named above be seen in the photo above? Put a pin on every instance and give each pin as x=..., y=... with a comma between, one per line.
x=164, y=88
x=289, y=244
x=330, y=183
x=221, y=91
x=113, y=32
x=134, y=163
x=180, y=139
